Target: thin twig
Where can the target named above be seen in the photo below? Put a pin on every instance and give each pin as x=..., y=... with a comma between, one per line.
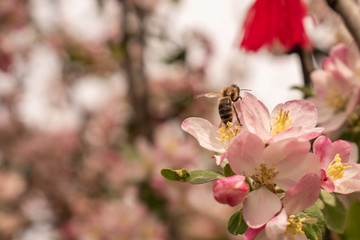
x=307, y=65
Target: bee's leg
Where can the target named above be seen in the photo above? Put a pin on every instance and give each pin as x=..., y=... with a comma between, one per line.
x=237, y=116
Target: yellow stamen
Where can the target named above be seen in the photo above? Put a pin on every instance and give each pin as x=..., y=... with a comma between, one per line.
x=335, y=100
x=265, y=175
x=336, y=168
x=294, y=226
x=227, y=134
x=281, y=122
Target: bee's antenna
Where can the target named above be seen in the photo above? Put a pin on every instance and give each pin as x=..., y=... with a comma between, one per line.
x=244, y=89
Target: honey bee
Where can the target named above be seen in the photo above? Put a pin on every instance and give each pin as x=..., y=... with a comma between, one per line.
x=226, y=107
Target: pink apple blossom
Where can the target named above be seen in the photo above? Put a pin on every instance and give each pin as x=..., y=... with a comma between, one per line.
x=286, y=225
x=211, y=137
x=344, y=62
x=296, y=118
x=335, y=98
x=336, y=87
x=231, y=190
x=338, y=173
x=281, y=165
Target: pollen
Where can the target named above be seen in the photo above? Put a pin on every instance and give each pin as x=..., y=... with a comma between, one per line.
x=227, y=133
x=335, y=100
x=281, y=122
x=336, y=168
x=265, y=175
x=294, y=226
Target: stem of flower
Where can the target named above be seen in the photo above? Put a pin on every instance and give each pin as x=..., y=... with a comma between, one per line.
x=350, y=13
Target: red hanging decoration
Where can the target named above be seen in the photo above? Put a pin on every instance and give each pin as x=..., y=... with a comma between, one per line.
x=275, y=22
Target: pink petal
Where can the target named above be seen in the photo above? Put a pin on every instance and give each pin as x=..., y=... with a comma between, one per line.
x=326, y=150
x=276, y=227
x=328, y=64
x=245, y=153
x=220, y=158
x=289, y=175
x=302, y=113
x=278, y=151
x=297, y=132
x=251, y=233
x=327, y=183
x=339, y=51
x=342, y=71
x=353, y=58
x=354, y=154
x=204, y=132
x=255, y=116
x=335, y=122
x=286, y=154
x=260, y=206
x=320, y=80
x=231, y=190
x=311, y=133
x=343, y=148
x=303, y=194
x=354, y=99
x=319, y=146
x=350, y=181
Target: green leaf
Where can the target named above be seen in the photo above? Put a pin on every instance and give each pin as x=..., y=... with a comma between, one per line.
x=175, y=175
x=307, y=91
x=228, y=171
x=352, y=231
x=236, y=224
x=194, y=177
x=177, y=57
x=203, y=176
x=315, y=231
x=334, y=212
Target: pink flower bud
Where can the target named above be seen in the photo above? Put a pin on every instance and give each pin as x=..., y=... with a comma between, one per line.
x=231, y=190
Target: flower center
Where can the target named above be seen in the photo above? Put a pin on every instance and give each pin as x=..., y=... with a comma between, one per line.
x=265, y=175
x=294, y=226
x=336, y=168
x=281, y=122
x=335, y=100
x=227, y=134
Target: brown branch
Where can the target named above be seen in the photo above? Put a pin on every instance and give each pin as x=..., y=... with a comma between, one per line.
x=134, y=42
x=349, y=11
x=307, y=65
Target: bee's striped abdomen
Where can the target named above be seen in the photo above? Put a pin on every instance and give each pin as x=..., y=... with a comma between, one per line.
x=225, y=109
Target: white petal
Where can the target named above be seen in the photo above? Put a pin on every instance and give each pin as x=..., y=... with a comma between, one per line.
x=350, y=181
x=260, y=206
x=276, y=227
x=204, y=132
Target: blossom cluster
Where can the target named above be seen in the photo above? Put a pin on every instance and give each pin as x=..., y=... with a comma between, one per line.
x=279, y=163
x=337, y=89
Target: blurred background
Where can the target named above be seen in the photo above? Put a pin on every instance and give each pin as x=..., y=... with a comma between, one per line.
x=92, y=96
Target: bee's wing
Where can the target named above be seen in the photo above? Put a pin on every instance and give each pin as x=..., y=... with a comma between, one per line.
x=209, y=95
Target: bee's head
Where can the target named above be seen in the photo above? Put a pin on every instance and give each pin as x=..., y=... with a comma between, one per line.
x=233, y=92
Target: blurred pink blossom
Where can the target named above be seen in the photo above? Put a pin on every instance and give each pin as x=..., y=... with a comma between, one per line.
x=337, y=91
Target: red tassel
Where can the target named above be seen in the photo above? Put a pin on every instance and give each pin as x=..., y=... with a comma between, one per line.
x=272, y=22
